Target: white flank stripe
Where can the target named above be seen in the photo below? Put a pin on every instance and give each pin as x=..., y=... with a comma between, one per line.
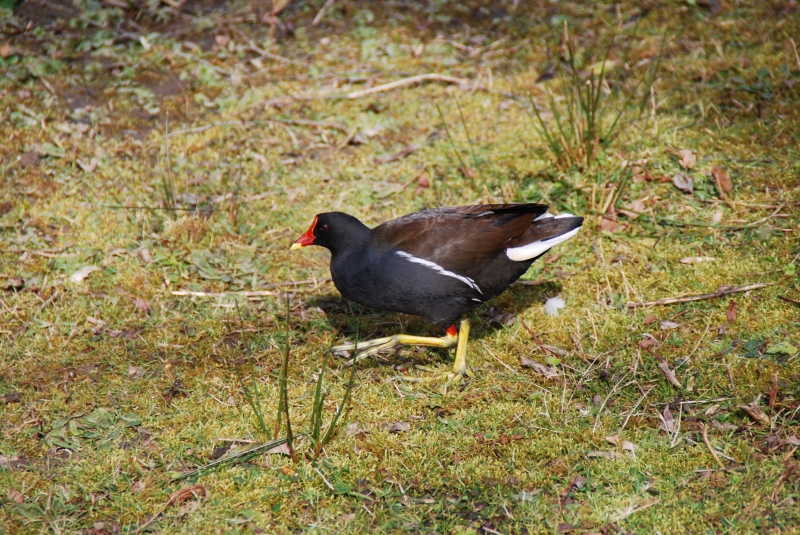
x=439, y=269
x=532, y=250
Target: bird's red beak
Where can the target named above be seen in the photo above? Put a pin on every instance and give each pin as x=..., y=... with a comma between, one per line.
x=307, y=238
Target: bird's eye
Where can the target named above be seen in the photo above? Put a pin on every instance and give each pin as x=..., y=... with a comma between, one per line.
x=324, y=226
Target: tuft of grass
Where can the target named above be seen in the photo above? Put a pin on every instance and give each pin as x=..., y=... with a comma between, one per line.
x=587, y=108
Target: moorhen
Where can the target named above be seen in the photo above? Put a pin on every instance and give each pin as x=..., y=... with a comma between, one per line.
x=438, y=263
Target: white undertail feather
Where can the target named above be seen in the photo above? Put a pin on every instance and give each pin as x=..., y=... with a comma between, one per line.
x=532, y=250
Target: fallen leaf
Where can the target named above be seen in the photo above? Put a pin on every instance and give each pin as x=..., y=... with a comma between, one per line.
x=144, y=255
x=565, y=527
x=686, y=158
x=649, y=319
x=731, y=314
x=723, y=427
x=683, y=182
x=548, y=372
x=668, y=373
x=283, y=449
x=608, y=221
x=14, y=283
x=723, y=180
x=669, y=325
x=399, y=427
x=12, y=397
x=696, y=259
x=634, y=209
x=552, y=258
x=222, y=39
x=15, y=496
x=138, y=486
x=135, y=371
x=717, y=217
x=667, y=421
x=6, y=50
x=180, y=496
x=626, y=445
x=79, y=276
x=355, y=429
x=141, y=305
x=345, y=518
x=755, y=412
x=29, y=158
x=90, y=166
x=648, y=340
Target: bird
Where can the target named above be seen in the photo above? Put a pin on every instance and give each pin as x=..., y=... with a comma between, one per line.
x=437, y=263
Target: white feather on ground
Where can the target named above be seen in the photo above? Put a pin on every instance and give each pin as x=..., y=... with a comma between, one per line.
x=553, y=304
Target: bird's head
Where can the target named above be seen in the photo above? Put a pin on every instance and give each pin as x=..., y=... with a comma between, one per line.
x=332, y=230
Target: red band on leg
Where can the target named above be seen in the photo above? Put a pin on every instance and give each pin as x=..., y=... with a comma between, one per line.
x=451, y=331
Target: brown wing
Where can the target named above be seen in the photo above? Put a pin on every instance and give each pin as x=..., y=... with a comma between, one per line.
x=461, y=239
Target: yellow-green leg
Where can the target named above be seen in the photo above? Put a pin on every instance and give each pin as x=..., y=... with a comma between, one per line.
x=460, y=370
x=372, y=347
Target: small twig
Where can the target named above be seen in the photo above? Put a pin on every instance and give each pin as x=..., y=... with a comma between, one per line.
x=792, y=301
x=708, y=445
x=605, y=401
x=316, y=124
x=202, y=128
x=796, y=56
x=260, y=293
x=321, y=12
x=628, y=417
x=48, y=253
x=721, y=291
x=411, y=81
x=539, y=342
x=509, y=368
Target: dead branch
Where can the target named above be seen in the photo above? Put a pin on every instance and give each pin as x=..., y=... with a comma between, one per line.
x=721, y=291
x=414, y=80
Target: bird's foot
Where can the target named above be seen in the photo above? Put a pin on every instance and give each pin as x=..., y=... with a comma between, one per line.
x=451, y=378
x=373, y=347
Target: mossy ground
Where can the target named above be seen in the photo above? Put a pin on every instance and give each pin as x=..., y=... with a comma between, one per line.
x=113, y=385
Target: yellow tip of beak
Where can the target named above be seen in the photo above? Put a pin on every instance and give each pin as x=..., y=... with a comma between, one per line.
x=295, y=246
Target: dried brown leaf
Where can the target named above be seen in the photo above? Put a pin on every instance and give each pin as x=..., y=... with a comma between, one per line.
x=683, y=182
x=141, y=305
x=399, y=427
x=668, y=373
x=355, y=429
x=547, y=371
x=633, y=210
x=12, y=397
x=15, y=496
x=90, y=166
x=667, y=421
x=754, y=411
x=687, y=158
x=732, y=307
x=723, y=180
x=79, y=276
